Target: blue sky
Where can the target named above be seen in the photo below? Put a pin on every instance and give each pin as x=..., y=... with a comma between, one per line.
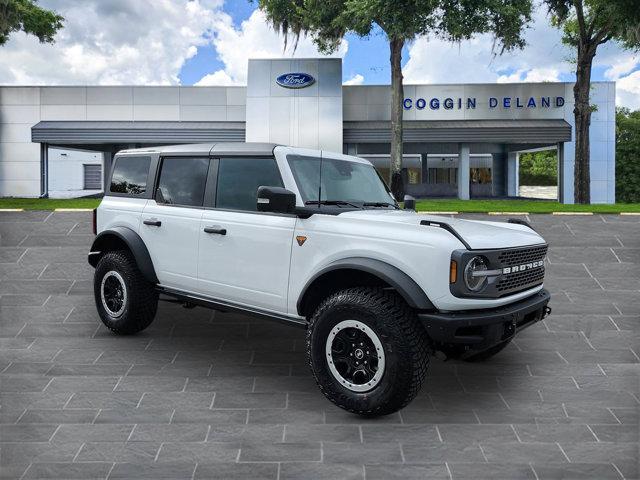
x=208, y=42
x=365, y=56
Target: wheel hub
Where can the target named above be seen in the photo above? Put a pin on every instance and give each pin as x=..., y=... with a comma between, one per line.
x=113, y=293
x=355, y=356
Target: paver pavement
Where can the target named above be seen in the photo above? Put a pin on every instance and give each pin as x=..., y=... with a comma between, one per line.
x=209, y=395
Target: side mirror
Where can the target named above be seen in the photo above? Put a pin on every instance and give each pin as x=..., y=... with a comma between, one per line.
x=409, y=203
x=276, y=200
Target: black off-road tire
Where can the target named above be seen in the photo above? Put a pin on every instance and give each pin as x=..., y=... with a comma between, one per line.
x=141, y=297
x=403, y=340
x=487, y=354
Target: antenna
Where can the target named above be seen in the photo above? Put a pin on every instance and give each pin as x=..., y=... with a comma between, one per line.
x=320, y=182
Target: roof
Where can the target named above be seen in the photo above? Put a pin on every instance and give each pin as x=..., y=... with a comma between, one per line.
x=222, y=148
x=91, y=132
x=499, y=131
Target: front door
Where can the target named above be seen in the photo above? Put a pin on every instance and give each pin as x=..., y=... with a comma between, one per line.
x=244, y=255
x=171, y=221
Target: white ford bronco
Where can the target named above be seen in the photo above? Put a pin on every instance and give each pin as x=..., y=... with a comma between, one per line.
x=317, y=240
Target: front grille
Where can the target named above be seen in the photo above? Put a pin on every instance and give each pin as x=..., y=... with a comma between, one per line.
x=521, y=256
x=521, y=280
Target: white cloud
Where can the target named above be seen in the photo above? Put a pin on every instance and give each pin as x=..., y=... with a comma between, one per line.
x=625, y=63
x=628, y=91
x=545, y=58
x=531, y=75
x=115, y=42
x=253, y=39
x=432, y=60
x=357, y=79
x=217, y=78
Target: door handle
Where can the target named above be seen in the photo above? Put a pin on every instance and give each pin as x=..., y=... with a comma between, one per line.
x=217, y=229
x=153, y=223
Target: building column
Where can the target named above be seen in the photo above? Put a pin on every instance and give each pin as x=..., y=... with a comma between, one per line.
x=107, y=161
x=463, y=171
x=561, y=178
x=44, y=170
x=513, y=167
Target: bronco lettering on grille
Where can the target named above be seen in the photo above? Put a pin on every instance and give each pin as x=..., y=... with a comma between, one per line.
x=522, y=268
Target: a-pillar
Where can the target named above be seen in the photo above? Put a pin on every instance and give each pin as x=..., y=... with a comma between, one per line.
x=463, y=171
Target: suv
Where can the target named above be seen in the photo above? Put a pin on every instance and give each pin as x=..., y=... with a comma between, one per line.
x=315, y=239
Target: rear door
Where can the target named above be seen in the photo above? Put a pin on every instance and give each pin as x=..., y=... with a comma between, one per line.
x=244, y=255
x=171, y=220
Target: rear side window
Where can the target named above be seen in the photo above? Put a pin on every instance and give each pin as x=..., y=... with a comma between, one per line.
x=182, y=181
x=130, y=175
x=239, y=179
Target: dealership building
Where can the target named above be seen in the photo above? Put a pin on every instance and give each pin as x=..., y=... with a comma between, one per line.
x=460, y=140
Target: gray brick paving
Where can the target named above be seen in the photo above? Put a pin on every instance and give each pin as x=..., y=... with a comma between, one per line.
x=209, y=395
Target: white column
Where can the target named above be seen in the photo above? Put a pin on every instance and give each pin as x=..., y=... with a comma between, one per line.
x=512, y=174
x=463, y=171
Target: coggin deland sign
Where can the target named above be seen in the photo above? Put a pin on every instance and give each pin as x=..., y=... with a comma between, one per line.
x=469, y=103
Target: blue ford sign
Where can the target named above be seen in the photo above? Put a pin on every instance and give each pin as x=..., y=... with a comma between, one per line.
x=295, y=80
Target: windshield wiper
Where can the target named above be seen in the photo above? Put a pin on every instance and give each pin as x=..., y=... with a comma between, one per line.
x=380, y=204
x=331, y=202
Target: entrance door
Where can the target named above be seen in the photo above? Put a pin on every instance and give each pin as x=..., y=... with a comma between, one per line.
x=244, y=255
x=171, y=221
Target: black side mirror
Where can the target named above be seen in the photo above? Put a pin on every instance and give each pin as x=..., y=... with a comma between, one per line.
x=409, y=203
x=276, y=200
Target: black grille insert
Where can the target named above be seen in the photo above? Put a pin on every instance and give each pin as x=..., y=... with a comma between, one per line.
x=522, y=279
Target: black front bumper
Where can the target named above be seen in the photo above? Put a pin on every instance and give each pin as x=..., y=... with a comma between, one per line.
x=481, y=329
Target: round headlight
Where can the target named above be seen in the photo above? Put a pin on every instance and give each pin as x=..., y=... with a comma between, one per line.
x=473, y=277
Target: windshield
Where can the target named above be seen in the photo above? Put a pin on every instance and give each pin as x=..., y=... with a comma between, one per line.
x=342, y=181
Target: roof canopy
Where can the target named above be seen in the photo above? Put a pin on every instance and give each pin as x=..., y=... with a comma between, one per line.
x=454, y=131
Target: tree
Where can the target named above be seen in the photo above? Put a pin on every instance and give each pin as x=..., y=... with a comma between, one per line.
x=587, y=24
x=28, y=17
x=327, y=21
x=627, y=156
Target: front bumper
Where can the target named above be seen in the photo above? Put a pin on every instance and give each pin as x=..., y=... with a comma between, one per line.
x=481, y=329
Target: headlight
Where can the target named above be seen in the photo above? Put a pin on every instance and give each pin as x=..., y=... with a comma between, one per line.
x=474, y=278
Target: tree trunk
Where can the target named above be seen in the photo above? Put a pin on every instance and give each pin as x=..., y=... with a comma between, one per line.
x=397, y=97
x=582, y=114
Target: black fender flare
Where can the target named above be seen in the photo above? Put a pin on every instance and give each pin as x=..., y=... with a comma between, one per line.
x=399, y=280
x=135, y=244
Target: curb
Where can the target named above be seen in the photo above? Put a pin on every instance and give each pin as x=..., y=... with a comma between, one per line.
x=571, y=213
x=73, y=209
x=508, y=213
x=630, y=214
x=11, y=209
x=437, y=213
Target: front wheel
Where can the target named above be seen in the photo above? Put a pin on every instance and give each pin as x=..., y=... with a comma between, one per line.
x=367, y=351
x=126, y=301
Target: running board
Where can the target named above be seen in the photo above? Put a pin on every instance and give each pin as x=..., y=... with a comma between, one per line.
x=221, y=306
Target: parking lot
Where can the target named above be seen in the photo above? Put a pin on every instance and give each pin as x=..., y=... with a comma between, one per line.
x=209, y=395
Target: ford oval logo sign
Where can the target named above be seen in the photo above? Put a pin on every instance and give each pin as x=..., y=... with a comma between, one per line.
x=295, y=80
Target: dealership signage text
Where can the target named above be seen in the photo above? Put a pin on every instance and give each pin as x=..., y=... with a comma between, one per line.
x=469, y=103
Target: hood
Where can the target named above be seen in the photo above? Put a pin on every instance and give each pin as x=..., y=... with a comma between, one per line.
x=478, y=234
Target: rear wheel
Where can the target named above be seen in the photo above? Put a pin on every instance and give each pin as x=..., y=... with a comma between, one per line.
x=126, y=301
x=367, y=351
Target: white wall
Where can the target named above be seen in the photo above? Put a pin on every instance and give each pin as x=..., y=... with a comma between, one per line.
x=66, y=172
x=308, y=117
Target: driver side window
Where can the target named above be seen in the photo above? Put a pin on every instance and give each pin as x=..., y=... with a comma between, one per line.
x=239, y=179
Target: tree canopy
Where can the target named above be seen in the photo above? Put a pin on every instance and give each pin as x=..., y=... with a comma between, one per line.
x=29, y=17
x=327, y=21
x=627, y=156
